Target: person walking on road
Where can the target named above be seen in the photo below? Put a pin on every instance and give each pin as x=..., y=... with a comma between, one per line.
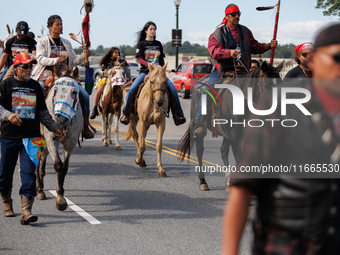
x=296, y=214
x=22, y=108
x=303, y=53
x=21, y=43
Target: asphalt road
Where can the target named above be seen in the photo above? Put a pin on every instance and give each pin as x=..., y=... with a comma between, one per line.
x=126, y=209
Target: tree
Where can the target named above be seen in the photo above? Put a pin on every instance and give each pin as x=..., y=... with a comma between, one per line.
x=332, y=7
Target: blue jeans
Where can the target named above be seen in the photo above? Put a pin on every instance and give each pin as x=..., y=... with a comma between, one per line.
x=4, y=73
x=214, y=79
x=84, y=96
x=10, y=149
x=139, y=80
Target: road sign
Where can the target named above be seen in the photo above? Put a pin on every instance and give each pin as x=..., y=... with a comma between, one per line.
x=176, y=38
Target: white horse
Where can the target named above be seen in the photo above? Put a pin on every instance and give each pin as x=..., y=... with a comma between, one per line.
x=111, y=102
x=63, y=104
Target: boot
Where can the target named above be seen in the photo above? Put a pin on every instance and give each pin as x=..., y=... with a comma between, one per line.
x=26, y=207
x=94, y=113
x=179, y=119
x=8, y=205
x=87, y=132
x=125, y=119
x=201, y=127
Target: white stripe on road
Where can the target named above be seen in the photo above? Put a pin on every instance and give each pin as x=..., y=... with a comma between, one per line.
x=78, y=210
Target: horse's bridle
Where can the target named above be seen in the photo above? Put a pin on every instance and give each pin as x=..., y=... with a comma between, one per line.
x=153, y=91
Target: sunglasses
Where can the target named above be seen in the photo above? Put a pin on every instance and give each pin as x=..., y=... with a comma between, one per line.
x=305, y=54
x=336, y=57
x=234, y=14
x=26, y=66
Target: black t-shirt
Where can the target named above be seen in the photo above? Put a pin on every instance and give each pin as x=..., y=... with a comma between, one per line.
x=24, y=99
x=151, y=52
x=297, y=72
x=58, y=49
x=14, y=46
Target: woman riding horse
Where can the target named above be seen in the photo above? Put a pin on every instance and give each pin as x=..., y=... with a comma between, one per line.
x=107, y=62
x=150, y=51
x=53, y=50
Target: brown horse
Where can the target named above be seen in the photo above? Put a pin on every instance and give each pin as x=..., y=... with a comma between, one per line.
x=111, y=102
x=261, y=80
x=152, y=107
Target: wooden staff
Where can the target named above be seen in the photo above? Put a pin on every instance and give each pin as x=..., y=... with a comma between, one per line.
x=275, y=31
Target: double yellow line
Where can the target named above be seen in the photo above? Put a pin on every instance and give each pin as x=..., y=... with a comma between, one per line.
x=151, y=144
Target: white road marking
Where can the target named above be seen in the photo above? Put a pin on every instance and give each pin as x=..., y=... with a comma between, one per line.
x=78, y=210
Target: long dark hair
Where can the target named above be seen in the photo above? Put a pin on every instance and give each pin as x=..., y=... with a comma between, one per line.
x=51, y=20
x=141, y=35
x=107, y=56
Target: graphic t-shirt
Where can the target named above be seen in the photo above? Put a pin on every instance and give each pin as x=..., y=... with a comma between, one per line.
x=24, y=99
x=151, y=52
x=58, y=49
x=14, y=46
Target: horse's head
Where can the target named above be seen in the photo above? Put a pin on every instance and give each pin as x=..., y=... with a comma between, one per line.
x=117, y=75
x=65, y=100
x=266, y=76
x=158, y=82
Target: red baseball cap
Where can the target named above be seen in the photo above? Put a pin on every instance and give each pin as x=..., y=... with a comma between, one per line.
x=23, y=58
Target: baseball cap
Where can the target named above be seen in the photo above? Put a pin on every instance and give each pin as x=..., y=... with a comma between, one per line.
x=23, y=58
x=22, y=28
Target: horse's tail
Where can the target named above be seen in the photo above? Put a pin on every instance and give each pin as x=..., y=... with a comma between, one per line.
x=129, y=133
x=185, y=145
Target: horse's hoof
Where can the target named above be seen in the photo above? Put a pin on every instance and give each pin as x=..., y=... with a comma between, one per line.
x=203, y=187
x=118, y=148
x=110, y=142
x=142, y=164
x=60, y=206
x=105, y=144
x=41, y=195
x=162, y=174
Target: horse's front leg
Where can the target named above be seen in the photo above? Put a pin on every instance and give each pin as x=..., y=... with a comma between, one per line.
x=142, y=134
x=225, y=156
x=109, y=126
x=62, y=166
x=40, y=172
x=104, y=129
x=199, y=151
x=159, y=146
x=118, y=148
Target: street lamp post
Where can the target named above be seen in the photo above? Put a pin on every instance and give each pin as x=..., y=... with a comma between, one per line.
x=177, y=3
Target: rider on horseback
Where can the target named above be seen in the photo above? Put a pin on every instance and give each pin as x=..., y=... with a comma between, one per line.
x=107, y=62
x=148, y=51
x=230, y=41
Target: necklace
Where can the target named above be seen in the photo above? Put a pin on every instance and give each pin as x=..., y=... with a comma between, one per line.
x=303, y=71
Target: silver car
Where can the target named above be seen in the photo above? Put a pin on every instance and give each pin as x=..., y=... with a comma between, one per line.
x=134, y=69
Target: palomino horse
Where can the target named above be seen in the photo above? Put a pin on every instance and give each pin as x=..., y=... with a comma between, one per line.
x=152, y=107
x=111, y=102
x=261, y=80
x=63, y=104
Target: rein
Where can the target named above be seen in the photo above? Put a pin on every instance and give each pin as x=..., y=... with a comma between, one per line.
x=153, y=91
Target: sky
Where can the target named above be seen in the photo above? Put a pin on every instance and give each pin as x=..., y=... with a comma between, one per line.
x=115, y=23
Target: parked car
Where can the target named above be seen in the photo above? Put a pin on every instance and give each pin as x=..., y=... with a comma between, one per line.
x=187, y=74
x=134, y=69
